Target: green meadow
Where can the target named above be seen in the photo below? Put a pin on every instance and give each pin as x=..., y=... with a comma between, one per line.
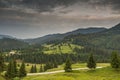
x=61, y=67
x=106, y=73
x=60, y=48
x=98, y=74
x=1, y=78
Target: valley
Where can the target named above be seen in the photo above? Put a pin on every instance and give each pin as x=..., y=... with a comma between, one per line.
x=59, y=39
x=52, y=54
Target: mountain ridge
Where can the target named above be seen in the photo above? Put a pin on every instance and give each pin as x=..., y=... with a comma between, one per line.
x=59, y=36
x=107, y=39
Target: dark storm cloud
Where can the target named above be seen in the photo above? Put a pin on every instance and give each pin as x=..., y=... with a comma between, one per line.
x=35, y=18
x=115, y=4
x=48, y=5
x=41, y=5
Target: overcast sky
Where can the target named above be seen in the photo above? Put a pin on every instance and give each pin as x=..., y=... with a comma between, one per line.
x=36, y=18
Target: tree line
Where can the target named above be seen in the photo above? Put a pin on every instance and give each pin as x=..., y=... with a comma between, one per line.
x=81, y=55
x=12, y=70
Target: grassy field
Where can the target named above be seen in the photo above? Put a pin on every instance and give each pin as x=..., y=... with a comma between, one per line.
x=78, y=65
x=61, y=67
x=106, y=73
x=61, y=48
x=1, y=78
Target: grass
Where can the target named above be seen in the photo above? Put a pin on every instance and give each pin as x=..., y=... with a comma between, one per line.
x=106, y=73
x=61, y=67
x=64, y=48
x=77, y=65
x=29, y=65
x=1, y=78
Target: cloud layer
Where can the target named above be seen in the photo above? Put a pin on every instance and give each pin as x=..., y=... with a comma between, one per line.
x=36, y=18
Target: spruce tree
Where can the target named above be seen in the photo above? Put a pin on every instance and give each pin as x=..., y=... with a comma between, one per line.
x=8, y=72
x=45, y=68
x=15, y=70
x=31, y=71
x=12, y=69
x=91, y=62
x=41, y=68
x=1, y=63
x=115, y=62
x=22, y=71
x=68, y=64
x=55, y=65
x=34, y=69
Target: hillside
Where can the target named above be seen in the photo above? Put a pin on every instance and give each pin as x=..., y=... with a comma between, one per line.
x=45, y=39
x=108, y=39
x=93, y=37
x=9, y=43
x=6, y=36
x=53, y=37
x=60, y=48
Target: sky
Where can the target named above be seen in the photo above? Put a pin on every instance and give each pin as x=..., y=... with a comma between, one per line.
x=35, y=18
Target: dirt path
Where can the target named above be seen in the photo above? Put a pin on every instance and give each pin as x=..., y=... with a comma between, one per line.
x=54, y=72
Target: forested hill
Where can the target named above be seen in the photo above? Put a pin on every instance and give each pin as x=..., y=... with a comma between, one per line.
x=93, y=37
x=108, y=39
x=11, y=43
x=53, y=37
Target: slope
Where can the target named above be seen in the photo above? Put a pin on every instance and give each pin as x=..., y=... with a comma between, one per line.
x=108, y=39
x=9, y=43
x=59, y=37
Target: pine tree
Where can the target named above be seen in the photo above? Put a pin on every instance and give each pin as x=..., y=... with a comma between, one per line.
x=34, y=69
x=31, y=71
x=8, y=73
x=12, y=69
x=22, y=71
x=41, y=68
x=15, y=70
x=68, y=64
x=91, y=62
x=115, y=62
x=1, y=63
x=55, y=65
x=45, y=68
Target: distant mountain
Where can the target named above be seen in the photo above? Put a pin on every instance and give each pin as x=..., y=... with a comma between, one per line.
x=51, y=37
x=114, y=30
x=6, y=36
x=8, y=42
x=86, y=31
x=45, y=39
x=96, y=37
x=107, y=39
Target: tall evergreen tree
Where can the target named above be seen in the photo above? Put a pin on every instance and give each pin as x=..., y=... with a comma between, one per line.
x=15, y=70
x=115, y=62
x=68, y=64
x=91, y=62
x=55, y=65
x=41, y=68
x=12, y=69
x=45, y=68
x=22, y=71
x=1, y=63
x=31, y=71
x=35, y=69
x=8, y=72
